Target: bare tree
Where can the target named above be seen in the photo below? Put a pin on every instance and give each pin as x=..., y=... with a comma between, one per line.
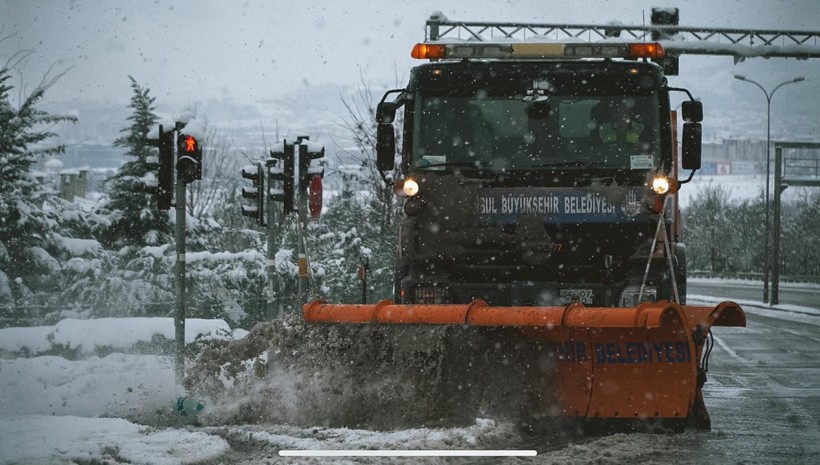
x=215, y=185
x=360, y=124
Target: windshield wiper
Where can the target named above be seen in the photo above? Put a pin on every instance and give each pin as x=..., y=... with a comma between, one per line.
x=573, y=164
x=481, y=164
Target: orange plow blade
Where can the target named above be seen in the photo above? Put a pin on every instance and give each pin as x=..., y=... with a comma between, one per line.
x=607, y=363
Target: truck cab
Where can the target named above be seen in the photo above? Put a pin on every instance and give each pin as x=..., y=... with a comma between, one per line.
x=528, y=174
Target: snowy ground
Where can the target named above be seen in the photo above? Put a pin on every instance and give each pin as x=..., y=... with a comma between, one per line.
x=91, y=410
x=54, y=410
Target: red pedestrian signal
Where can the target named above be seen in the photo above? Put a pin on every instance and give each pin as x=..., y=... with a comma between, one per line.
x=190, y=144
x=189, y=159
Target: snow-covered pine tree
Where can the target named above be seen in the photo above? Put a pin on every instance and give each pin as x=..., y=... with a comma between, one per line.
x=27, y=229
x=136, y=220
x=336, y=242
x=142, y=283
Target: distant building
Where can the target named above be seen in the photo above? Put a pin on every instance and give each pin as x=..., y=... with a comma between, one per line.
x=733, y=156
x=73, y=183
x=41, y=176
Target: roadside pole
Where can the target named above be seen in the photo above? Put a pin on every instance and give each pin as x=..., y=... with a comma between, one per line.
x=778, y=190
x=288, y=169
x=187, y=151
x=304, y=274
x=270, y=306
x=304, y=285
x=179, y=316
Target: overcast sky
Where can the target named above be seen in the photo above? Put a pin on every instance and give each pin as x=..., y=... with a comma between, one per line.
x=189, y=51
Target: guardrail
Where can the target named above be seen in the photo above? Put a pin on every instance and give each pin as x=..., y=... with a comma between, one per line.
x=754, y=276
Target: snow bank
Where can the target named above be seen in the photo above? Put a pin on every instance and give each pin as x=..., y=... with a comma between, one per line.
x=57, y=411
x=116, y=385
x=48, y=439
x=122, y=333
x=116, y=333
x=32, y=339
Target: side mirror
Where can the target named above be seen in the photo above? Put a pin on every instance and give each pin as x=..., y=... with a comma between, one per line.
x=691, y=145
x=386, y=112
x=385, y=146
x=692, y=111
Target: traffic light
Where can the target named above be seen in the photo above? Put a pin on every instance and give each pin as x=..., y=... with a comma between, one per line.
x=665, y=17
x=257, y=192
x=281, y=168
x=308, y=153
x=189, y=158
x=165, y=171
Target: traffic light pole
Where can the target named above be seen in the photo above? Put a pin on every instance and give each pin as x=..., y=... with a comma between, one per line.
x=304, y=285
x=289, y=164
x=179, y=315
x=270, y=304
x=302, y=170
x=188, y=154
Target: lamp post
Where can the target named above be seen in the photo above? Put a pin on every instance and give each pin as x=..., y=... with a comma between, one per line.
x=769, y=96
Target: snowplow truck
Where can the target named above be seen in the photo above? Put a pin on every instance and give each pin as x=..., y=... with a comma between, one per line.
x=539, y=185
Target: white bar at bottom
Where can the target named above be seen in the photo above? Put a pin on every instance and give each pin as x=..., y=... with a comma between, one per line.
x=406, y=453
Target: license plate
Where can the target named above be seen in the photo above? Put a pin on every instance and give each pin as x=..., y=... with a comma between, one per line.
x=581, y=295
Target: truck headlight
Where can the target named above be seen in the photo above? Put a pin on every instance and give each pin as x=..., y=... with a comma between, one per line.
x=663, y=184
x=411, y=187
x=407, y=187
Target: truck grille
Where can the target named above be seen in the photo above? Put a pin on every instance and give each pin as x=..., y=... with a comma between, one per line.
x=571, y=253
x=424, y=294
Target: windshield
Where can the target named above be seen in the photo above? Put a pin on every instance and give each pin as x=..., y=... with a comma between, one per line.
x=536, y=132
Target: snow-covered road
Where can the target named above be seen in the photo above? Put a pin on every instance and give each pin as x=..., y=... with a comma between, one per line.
x=763, y=395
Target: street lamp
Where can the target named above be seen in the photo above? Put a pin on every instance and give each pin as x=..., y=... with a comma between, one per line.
x=768, y=162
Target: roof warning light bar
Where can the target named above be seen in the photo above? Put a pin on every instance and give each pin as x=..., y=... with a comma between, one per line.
x=537, y=50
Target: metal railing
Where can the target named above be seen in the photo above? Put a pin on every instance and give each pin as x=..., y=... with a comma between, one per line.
x=754, y=276
x=677, y=40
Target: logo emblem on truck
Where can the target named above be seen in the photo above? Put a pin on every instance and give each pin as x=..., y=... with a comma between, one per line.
x=632, y=205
